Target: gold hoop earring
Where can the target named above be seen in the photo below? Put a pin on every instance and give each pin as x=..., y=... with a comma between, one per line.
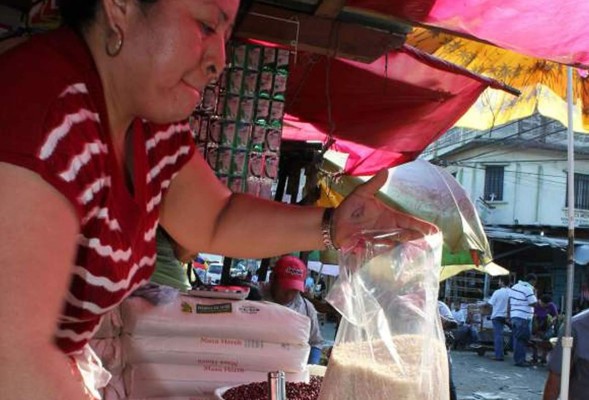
x=113, y=47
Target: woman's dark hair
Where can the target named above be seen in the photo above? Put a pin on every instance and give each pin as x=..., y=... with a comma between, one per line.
x=546, y=298
x=77, y=14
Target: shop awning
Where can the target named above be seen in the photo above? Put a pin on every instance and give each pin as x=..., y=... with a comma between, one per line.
x=384, y=113
x=510, y=236
x=550, y=29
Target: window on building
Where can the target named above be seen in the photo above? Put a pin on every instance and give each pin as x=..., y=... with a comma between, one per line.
x=494, y=182
x=581, y=192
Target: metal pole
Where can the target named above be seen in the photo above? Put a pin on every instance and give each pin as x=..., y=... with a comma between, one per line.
x=567, y=340
x=486, y=287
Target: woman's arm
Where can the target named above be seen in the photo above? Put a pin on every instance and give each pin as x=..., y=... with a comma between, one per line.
x=203, y=215
x=39, y=230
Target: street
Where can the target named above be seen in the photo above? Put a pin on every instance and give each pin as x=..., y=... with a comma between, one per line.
x=480, y=378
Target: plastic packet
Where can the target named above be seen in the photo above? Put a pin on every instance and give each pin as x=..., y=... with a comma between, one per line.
x=390, y=343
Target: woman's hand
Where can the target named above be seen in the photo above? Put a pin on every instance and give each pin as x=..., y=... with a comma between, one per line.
x=361, y=210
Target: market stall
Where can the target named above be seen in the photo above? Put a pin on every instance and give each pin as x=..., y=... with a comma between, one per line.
x=382, y=112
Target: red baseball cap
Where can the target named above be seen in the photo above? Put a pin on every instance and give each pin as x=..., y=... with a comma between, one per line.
x=290, y=273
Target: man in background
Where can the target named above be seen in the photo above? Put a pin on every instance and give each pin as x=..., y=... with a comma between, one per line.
x=287, y=282
x=579, y=377
x=499, y=301
x=522, y=299
x=448, y=324
x=465, y=335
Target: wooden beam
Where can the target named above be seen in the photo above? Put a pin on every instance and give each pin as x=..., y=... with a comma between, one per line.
x=330, y=8
x=317, y=34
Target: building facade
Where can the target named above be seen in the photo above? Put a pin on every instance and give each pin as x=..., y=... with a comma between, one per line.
x=516, y=175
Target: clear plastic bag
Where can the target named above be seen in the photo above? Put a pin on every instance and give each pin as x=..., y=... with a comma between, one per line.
x=390, y=343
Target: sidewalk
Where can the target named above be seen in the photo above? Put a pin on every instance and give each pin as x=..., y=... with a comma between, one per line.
x=480, y=378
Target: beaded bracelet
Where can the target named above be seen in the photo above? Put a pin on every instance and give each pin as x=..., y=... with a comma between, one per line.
x=327, y=229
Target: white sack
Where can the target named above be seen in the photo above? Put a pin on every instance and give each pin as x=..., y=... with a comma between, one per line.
x=253, y=355
x=115, y=390
x=109, y=350
x=193, y=316
x=165, y=380
x=111, y=325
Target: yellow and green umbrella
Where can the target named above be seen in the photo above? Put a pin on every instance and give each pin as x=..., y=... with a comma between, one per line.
x=542, y=83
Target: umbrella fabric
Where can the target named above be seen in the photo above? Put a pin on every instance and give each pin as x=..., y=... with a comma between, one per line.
x=430, y=193
x=453, y=262
x=556, y=30
x=542, y=83
x=382, y=114
x=448, y=271
x=465, y=242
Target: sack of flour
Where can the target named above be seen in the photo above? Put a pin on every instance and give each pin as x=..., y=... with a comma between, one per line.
x=390, y=344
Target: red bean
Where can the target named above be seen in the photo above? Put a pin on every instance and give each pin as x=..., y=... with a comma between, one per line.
x=259, y=390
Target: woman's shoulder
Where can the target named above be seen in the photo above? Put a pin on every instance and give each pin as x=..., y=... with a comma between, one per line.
x=41, y=66
x=38, y=74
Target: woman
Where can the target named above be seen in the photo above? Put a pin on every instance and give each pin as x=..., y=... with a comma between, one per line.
x=93, y=154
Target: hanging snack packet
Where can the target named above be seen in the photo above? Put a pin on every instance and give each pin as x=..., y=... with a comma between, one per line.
x=203, y=133
x=253, y=58
x=266, y=81
x=253, y=186
x=212, y=156
x=242, y=138
x=258, y=137
x=228, y=134
x=276, y=113
x=240, y=161
x=246, y=110
x=256, y=164
x=232, y=108
x=239, y=54
x=262, y=111
x=269, y=60
x=279, y=87
x=271, y=167
x=224, y=163
x=236, y=184
x=282, y=60
x=250, y=83
x=235, y=81
x=390, y=343
x=215, y=126
x=273, y=140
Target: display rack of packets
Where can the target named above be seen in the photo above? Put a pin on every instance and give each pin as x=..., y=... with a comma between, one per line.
x=238, y=125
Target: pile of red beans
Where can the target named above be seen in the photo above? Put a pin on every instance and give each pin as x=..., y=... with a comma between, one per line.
x=259, y=390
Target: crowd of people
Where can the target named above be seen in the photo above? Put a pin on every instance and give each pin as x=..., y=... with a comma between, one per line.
x=529, y=324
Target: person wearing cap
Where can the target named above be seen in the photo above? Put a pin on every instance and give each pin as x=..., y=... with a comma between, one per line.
x=287, y=282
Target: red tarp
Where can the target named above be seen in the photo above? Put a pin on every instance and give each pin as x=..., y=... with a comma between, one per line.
x=556, y=30
x=385, y=113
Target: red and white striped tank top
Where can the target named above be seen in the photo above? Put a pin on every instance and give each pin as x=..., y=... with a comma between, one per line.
x=58, y=132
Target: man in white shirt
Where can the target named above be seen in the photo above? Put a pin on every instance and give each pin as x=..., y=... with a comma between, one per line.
x=499, y=301
x=448, y=323
x=522, y=298
x=458, y=313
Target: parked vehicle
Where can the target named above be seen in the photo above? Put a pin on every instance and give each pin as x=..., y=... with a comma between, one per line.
x=213, y=276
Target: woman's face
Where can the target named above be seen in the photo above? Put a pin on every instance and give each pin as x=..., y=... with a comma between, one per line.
x=170, y=50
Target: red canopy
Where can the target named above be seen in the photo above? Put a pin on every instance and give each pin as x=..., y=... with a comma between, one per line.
x=556, y=30
x=384, y=113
